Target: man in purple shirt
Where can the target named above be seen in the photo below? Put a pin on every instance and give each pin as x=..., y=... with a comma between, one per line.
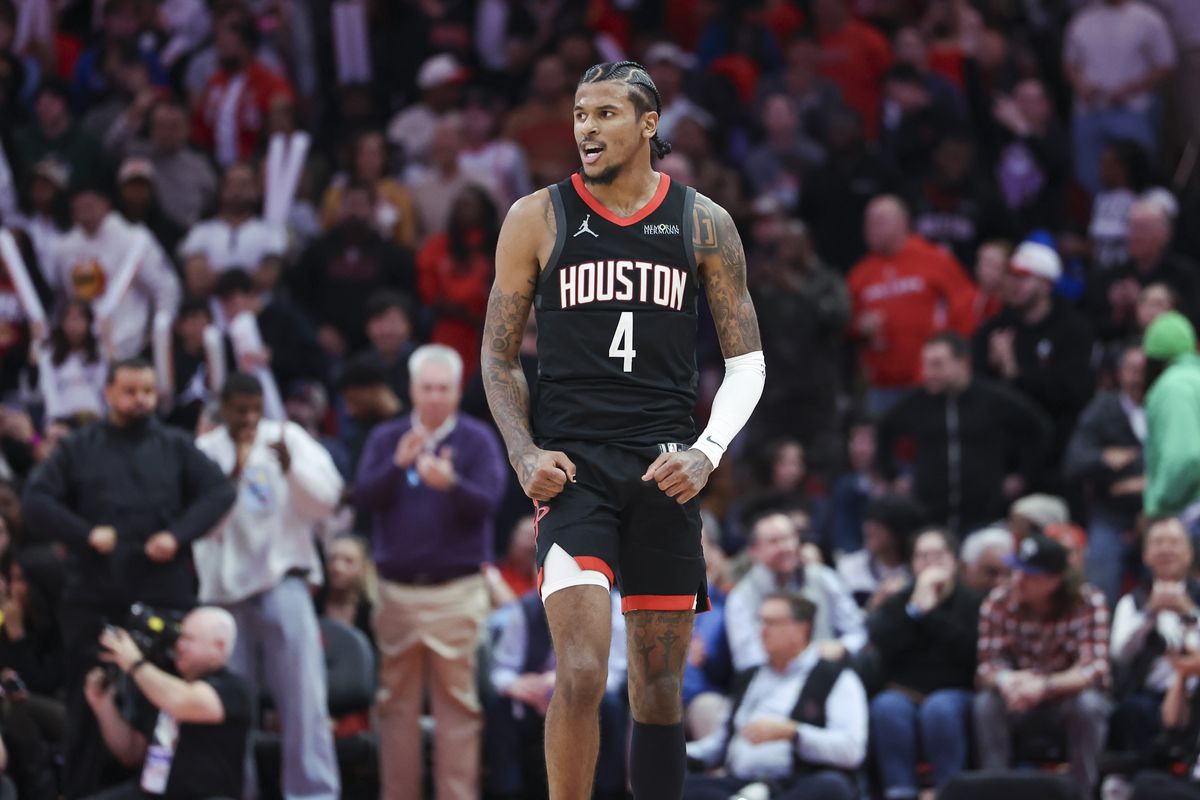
x=433, y=481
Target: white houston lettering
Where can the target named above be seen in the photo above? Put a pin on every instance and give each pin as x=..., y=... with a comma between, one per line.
x=607, y=281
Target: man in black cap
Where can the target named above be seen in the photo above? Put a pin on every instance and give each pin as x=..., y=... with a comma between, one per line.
x=1043, y=651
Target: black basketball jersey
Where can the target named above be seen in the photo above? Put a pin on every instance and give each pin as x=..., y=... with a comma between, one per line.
x=616, y=317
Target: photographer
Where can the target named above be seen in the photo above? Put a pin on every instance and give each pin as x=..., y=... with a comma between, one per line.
x=127, y=496
x=196, y=747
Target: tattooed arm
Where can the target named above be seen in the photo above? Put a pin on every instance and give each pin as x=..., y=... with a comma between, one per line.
x=543, y=474
x=721, y=264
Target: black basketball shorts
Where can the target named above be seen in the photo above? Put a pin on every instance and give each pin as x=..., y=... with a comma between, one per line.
x=613, y=522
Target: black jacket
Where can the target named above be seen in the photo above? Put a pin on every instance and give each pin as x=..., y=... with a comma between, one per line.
x=140, y=482
x=965, y=446
x=1104, y=424
x=1054, y=363
x=934, y=651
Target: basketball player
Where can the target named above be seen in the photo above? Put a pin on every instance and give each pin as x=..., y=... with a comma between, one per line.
x=612, y=260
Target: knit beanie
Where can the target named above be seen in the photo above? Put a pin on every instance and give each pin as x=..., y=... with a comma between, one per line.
x=1170, y=335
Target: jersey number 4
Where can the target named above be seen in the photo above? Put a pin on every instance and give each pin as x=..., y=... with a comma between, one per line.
x=622, y=341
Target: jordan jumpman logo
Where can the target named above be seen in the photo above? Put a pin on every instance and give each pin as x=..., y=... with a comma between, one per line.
x=584, y=228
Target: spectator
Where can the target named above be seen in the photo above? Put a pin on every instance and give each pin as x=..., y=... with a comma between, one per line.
x=837, y=627
x=196, y=746
x=389, y=331
x=89, y=258
x=1113, y=295
x=127, y=497
x=914, y=123
x=368, y=400
x=912, y=50
x=233, y=108
x=991, y=277
x=854, y=56
x=31, y=663
x=1039, y=345
x=47, y=214
x=926, y=639
x=1032, y=162
x=711, y=174
x=120, y=28
x=138, y=204
x=433, y=480
x=1149, y=623
x=348, y=594
x=709, y=667
x=776, y=167
x=394, y=214
x=307, y=405
x=259, y=565
x=839, y=190
x=500, y=161
x=190, y=371
x=1180, y=720
x=414, y=129
x=437, y=190
x=802, y=308
x=74, y=382
x=340, y=271
x=542, y=125
x=1154, y=300
x=984, y=564
x=517, y=568
x=881, y=568
x=852, y=491
x=898, y=295
x=290, y=346
x=669, y=67
x=1106, y=451
x=954, y=205
x=1124, y=173
x=523, y=679
x=55, y=137
x=1115, y=55
x=236, y=237
x=977, y=443
x=1043, y=660
x=797, y=722
x=1172, y=419
x=184, y=181
x=455, y=271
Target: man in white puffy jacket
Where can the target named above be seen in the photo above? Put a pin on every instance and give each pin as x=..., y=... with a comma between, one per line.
x=259, y=563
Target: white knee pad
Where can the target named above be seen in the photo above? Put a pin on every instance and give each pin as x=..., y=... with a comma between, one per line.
x=561, y=571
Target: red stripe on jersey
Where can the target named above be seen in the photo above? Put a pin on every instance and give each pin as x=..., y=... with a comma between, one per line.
x=664, y=183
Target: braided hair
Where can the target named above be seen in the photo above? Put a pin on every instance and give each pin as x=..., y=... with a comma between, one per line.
x=642, y=91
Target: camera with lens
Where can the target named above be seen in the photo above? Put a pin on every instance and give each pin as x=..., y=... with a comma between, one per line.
x=155, y=632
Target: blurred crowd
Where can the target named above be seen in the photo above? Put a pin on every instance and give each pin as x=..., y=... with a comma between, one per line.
x=247, y=250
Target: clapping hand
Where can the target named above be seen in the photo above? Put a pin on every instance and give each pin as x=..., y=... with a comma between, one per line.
x=437, y=471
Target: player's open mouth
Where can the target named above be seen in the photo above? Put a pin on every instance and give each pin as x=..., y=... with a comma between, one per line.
x=591, y=152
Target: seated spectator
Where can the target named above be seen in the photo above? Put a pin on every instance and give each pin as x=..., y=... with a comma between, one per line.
x=339, y=272
x=880, y=569
x=348, y=593
x=1001, y=439
x=709, y=667
x=895, y=293
x=394, y=216
x=1039, y=344
x=501, y=162
x=842, y=529
x=73, y=377
x=236, y=237
x=523, y=677
x=1106, y=451
x=797, y=723
x=838, y=625
x=196, y=746
x=1181, y=718
x=455, y=271
x=1034, y=513
x=926, y=640
x=1043, y=661
x=1150, y=622
x=541, y=125
x=776, y=167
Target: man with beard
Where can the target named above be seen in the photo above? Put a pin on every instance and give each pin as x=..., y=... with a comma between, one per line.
x=340, y=272
x=235, y=237
x=126, y=497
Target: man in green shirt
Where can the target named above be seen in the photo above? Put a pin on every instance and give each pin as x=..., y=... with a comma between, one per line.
x=1173, y=420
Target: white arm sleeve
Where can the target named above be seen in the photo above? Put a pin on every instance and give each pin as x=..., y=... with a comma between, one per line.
x=735, y=400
